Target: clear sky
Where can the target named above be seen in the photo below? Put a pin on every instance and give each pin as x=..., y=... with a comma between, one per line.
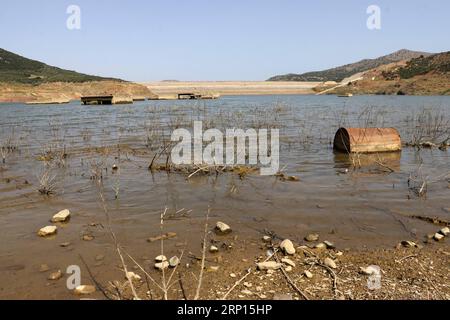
x=145, y=40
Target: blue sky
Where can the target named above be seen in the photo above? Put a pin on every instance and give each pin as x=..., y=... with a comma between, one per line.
x=216, y=39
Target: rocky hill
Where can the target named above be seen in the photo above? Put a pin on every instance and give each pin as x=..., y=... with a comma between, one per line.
x=15, y=68
x=26, y=80
x=428, y=75
x=339, y=73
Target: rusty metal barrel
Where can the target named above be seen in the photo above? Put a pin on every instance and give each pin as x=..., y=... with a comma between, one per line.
x=367, y=140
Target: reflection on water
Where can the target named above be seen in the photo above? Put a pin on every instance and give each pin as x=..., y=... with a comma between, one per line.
x=382, y=160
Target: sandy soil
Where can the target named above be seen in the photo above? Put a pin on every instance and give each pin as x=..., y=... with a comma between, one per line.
x=59, y=92
x=172, y=88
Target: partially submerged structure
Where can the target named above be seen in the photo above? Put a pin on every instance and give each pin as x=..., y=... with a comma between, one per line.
x=367, y=140
x=186, y=96
x=96, y=100
x=106, y=100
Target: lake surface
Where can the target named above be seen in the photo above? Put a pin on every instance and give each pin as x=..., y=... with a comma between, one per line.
x=355, y=207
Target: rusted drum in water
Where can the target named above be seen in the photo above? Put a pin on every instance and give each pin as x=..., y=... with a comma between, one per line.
x=366, y=140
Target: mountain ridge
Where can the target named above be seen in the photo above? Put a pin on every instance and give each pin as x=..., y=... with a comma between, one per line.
x=19, y=69
x=339, y=73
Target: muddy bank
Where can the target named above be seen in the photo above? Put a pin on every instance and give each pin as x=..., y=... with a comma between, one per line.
x=358, y=205
x=63, y=92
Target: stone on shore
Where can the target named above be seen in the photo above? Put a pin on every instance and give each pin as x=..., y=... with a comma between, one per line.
x=133, y=276
x=213, y=268
x=162, y=265
x=222, y=228
x=174, y=261
x=62, y=216
x=312, y=237
x=408, y=244
x=368, y=271
x=445, y=231
x=44, y=268
x=289, y=262
x=438, y=237
x=308, y=274
x=330, y=263
x=47, y=231
x=329, y=244
x=320, y=246
x=84, y=289
x=268, y=265
x=282, y=296
x=287, y=246
x=55, y=275
x=161, y=258
x=87, y=237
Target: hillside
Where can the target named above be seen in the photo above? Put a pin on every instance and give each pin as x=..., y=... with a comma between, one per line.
x=419, y=76
x=26, y=80
x=339, y=73
x=15, y=68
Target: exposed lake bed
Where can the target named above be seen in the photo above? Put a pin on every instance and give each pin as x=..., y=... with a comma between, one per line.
x=364, y=207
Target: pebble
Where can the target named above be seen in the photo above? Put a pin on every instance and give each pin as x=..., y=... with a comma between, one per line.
x=61, y=216
x=44, y=268
x=308, y=274
x=282, y=296
x=330, y=245
x=161, y=258
x=312, y=237
x=287, y=246
x=247, y=292
x=213, y=269
x=438, y=237
x=320, y=246
x=55, y=275
x=174, y=261
x=84, y=289
x=233, y=275
x=370, y=270
x=88, y=237
x=247, y=284
x=213, y=249
x=339, y=253
x=47, y=231
x=133, y=276
x=288, y=262
x=445, y=231
x=330, y=263
x=99, y=257
x=65, y=244
x=268, y=265
x=161, y=265
x=288, y=269
x=222, y=228
x=408, y=244
x=267, y=239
